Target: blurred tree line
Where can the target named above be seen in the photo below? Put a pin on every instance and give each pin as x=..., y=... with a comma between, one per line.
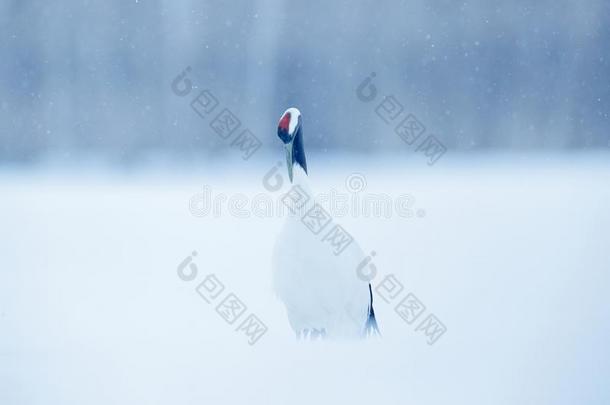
x=85, y=76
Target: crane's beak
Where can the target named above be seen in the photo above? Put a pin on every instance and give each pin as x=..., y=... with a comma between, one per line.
x=289, y=161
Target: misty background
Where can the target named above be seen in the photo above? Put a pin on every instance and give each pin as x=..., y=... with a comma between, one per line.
x=91, y=77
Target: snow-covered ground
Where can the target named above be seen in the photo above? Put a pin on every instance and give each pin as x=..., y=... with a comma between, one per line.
x=512, y=255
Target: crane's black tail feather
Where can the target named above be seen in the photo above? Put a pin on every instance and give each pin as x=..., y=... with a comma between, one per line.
x=371, y=323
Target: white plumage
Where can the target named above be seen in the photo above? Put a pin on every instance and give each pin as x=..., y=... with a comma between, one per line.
x=321, y=291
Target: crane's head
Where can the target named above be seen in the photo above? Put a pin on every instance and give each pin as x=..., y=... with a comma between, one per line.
x=289, y=125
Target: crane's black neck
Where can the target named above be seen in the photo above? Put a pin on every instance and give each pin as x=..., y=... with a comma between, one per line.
x=298, y=151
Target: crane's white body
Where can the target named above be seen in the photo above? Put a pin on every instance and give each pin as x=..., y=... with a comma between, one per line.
x=322, y=291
